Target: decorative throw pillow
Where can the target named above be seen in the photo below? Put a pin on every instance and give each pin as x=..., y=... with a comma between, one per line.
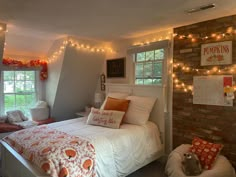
x=116, y=104
x=15, y=116
x=105, y=118
x=207, y=152
x=117, y=95
x=38, y=114
x=139, y=109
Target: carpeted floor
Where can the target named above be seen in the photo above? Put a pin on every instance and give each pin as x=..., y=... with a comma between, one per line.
x=154, y=169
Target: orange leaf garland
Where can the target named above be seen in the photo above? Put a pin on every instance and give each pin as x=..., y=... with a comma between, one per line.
x=29, y=64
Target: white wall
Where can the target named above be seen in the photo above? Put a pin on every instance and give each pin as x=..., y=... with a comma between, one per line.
x=54, y=72
x=74, y=83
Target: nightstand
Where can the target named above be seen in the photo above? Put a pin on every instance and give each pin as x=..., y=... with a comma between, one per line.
x=82, y=114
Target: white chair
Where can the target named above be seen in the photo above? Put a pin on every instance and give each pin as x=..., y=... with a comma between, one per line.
x=221, y=168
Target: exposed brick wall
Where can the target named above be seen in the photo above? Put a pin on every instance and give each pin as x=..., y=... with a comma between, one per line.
x=213, y=123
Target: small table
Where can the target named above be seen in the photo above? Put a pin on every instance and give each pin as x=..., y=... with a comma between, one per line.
x=82, y=114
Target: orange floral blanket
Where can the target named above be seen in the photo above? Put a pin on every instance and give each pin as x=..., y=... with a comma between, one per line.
x=57, y=153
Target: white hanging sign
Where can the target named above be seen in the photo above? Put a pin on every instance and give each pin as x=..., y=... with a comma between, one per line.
x=218, y=53
x=213, y=90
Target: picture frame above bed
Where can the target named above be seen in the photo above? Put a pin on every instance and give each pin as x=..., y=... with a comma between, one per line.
x=116, y=68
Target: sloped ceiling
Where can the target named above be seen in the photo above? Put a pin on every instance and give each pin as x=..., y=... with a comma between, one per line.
x=34, y=24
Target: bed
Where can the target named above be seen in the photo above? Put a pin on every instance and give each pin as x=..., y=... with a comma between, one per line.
x=119, y=152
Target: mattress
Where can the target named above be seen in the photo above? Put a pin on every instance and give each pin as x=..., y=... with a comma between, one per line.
x=118, y=151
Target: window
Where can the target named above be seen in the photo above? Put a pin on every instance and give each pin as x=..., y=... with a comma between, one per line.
x=149, y=66
x=19, y=91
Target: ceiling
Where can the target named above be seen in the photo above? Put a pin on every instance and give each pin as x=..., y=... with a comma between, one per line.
x=34, y=24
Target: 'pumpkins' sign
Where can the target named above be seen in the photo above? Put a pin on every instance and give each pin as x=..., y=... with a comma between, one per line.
x=218, y=53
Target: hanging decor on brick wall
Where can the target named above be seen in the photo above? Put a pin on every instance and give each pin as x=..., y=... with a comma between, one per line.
x=186, y=69
x=217, y=53
x=211, y=90
x=211, y=122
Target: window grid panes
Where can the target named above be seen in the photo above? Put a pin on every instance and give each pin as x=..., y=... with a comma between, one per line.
x=148, y=67
x=19, y=90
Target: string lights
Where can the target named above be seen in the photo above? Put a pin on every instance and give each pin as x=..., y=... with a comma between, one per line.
x=201, y=37
x=78, y=46
x=153, y=40
x=199, y=71
x=87, y=47
x=230, y=31
x=54, y=56
x=67, y=43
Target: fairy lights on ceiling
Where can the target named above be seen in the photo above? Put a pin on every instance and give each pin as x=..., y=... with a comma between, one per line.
x=149, y=41
x=79, y=46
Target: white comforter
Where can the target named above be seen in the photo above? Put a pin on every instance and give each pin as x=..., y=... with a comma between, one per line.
x=118, y=151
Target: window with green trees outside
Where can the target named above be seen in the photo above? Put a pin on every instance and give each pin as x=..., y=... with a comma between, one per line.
x=19, y=91
x=148, y=67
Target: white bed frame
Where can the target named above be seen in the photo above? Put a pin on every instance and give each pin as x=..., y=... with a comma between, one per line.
x=14, y=165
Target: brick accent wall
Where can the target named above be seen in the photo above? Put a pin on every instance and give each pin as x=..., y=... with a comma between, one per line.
x=213, y=123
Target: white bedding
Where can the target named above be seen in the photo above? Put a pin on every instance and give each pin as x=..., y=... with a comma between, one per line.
x=118, y=151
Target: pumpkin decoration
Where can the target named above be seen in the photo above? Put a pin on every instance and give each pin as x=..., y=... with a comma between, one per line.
x=54, y=142
x=45, y=166
x=70, y=153
x=87, y=164
x=13, y=143
x=74, y=142
x=62, y=136
x=31, y=157
x=63, y=172
x=21, y=150
x=46, y=150
x=35, y=144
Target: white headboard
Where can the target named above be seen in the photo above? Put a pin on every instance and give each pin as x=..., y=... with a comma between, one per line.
x=157, y=114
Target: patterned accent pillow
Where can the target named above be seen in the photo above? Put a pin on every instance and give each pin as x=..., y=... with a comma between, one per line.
x=15, y=116
x=105, y=118
x=207, y=152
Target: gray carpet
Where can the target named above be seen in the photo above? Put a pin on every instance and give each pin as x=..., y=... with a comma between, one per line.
x=154, y=169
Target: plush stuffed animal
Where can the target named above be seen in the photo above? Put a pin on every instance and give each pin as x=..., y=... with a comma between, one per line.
x=191, y=164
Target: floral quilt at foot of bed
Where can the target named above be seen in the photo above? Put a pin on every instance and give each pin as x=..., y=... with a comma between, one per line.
x=56, y=152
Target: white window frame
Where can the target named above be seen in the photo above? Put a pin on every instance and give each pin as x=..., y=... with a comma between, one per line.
x=38, y=87
x=153, y=46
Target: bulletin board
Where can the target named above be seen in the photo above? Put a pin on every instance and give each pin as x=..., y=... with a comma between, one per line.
x=209, y=90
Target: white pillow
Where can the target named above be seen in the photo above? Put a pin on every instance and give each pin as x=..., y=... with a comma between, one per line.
x=38, y=114
x=117, y=95
x=41, y=104
x=15, y=116
x=105, y=118
x=139, y=109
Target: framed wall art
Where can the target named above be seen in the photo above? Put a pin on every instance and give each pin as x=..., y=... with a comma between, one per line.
x=218, y=53
x=116, y=68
